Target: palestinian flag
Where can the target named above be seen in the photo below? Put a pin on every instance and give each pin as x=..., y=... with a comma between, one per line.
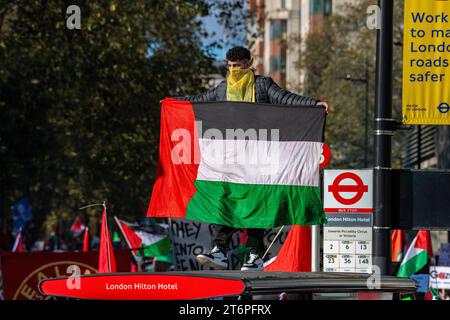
x=239, y=164
x=77, y=227
x=151, y=245
x=417, y=255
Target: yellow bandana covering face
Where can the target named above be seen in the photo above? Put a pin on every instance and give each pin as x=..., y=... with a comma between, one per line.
x=241, y=85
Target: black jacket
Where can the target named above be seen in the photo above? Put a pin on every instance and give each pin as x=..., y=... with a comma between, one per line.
x=267, y=91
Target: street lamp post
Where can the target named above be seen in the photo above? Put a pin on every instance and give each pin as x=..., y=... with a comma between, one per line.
x=383, y=132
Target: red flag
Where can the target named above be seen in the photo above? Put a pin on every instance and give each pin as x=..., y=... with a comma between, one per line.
x=295, y=254
x=86, y=240
x=397, y=245
x=18, y=243
x=106, y=261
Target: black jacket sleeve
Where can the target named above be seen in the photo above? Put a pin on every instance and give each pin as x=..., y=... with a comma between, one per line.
x=278, y=95
x=208, y=96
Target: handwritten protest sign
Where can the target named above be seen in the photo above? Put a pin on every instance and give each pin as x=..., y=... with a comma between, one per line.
x=191, y=238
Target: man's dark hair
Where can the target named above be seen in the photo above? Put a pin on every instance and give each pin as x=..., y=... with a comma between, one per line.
x=238, y=53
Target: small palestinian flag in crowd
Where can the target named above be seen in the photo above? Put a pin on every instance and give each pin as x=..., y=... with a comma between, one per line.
x=417, y=255
x=147, y=244
x=244, y=165
x=77, y=227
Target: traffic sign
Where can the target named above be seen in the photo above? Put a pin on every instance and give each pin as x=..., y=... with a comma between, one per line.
x=348, y=191
x=348, y=233
x=347, y=249
x=337, y=188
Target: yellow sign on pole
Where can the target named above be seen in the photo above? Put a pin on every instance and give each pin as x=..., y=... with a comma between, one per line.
x=426, y=62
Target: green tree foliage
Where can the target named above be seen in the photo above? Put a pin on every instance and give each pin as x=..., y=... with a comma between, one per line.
x=345, y=49
x=80, y=108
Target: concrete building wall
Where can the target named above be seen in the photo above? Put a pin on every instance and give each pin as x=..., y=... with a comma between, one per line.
x=294, y=35
x=277, y=52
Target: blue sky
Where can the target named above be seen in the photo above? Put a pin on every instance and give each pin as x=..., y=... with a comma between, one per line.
x=211, y=25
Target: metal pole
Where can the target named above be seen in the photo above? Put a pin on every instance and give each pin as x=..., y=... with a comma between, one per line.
x=315, y=248
x=107, y=235
x=273, y=241
x=91, y=205
x=419, y=147
x=382, y=140
x=366, y=123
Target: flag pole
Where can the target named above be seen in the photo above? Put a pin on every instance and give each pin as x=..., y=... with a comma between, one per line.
x=273, y=241
x=91, y=205
x=315, y=248
x=174, y=258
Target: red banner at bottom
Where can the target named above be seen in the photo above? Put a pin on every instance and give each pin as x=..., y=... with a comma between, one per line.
x=22, y=271
x=132, y=286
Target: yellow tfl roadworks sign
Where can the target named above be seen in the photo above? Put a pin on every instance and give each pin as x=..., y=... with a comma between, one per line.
x=426, y=62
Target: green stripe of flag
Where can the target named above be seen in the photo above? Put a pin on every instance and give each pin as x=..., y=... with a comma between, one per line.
x=161, y=249
x=255, y=205
x=413, y=265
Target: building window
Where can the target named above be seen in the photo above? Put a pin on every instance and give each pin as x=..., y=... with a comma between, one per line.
x=278, y=64
x=320, y=7
x=283, y=4
x=278, y=29
x=327, y=7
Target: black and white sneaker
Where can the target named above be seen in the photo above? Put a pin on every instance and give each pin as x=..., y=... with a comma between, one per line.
x=216, y=259
x=254, y=263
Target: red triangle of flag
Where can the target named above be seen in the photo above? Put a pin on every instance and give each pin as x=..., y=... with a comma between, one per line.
x=132, y=239
x=424, y=241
